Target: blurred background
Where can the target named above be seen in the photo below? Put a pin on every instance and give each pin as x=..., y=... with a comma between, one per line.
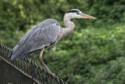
x=93, y=54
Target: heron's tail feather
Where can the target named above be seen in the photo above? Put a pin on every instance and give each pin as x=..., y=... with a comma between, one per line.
x=17, y=52
x=10, y=54
x=13, y=57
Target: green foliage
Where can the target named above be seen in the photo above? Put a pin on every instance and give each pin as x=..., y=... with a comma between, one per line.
x=92, y=54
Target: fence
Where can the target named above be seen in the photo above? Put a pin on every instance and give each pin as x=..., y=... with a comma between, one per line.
x=23, y=71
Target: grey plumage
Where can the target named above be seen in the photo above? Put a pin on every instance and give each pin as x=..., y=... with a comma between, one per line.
x=45, y=34
x=38, y=37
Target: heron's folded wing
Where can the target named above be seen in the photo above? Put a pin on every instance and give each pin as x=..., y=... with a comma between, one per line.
x=37, y=38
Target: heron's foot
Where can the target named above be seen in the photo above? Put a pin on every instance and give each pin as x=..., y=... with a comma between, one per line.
x=52, y=74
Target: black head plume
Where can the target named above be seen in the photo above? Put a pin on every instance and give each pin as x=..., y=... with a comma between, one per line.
x=73, y=11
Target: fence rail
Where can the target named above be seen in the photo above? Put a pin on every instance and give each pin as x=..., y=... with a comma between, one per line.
x=23, y=71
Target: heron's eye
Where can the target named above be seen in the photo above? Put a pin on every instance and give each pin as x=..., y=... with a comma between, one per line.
x=77, y=13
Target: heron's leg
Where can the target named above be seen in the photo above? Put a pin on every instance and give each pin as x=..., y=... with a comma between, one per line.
x=42, y=62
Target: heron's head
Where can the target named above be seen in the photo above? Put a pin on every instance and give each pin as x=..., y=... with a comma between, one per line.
x=75, y=13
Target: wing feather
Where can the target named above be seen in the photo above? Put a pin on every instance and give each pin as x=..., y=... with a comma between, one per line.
x=38, y=37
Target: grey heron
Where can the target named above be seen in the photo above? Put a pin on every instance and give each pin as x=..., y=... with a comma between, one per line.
x=45, y=34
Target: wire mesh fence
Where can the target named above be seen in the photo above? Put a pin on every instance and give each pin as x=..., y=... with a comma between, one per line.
x=23, y=71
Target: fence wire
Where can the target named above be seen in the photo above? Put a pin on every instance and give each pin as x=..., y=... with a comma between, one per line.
x=23, y=71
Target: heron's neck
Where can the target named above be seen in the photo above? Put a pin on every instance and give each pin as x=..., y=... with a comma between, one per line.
x=68, y=23
x=69, y=26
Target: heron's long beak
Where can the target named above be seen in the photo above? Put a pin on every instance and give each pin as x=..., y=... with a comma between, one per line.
x=88, y=16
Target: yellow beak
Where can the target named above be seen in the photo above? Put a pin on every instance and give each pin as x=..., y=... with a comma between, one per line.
x=88, y=16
